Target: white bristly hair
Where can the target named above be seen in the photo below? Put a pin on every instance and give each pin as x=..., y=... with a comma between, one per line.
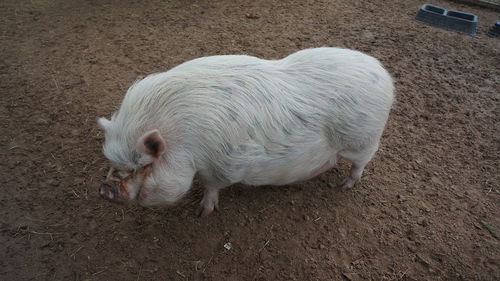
x=238, y=118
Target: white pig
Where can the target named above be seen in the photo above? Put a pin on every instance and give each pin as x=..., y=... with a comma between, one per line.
x=241, y=119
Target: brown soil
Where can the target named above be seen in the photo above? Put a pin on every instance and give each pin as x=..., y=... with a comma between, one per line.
x=427, y=208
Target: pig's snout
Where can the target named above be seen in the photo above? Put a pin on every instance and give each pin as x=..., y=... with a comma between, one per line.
x=108, y=191
x=111, y=192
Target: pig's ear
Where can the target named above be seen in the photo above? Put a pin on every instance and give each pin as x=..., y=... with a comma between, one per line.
x=104, y=123
x=152, y=144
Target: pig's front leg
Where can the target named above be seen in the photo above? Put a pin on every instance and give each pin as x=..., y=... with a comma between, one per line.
x=210, y=201
x=212, y=186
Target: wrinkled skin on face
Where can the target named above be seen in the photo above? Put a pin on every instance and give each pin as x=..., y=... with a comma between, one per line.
x=134, y=183
x=123, y=186
x=141, y=172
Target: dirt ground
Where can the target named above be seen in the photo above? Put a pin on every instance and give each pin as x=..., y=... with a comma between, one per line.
x=427, y=208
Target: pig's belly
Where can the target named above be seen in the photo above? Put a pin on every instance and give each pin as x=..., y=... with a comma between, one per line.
x=287, y=171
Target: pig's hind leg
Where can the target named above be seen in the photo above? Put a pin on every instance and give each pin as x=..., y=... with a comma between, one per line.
x=359, y=161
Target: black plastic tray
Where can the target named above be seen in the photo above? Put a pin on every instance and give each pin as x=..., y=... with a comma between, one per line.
x=447, y=19
x=495, y=30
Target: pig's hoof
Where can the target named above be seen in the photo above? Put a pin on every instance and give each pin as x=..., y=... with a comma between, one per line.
x=209, y=203
x=206, y=209
x=203, y=212
x=108, y=192
x=348, y=183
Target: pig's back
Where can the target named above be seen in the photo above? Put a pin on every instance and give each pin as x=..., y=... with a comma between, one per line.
x=332, y=91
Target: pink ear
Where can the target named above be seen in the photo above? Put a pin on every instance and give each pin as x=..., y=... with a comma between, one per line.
x=152, y=143
x=104, y=123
